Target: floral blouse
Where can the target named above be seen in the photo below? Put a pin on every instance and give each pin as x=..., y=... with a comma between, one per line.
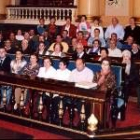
x=31, y=71
x=109, y=81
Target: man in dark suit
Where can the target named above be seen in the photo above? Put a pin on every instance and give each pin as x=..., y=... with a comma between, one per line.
x=5, y=66
x=4, y=61
x=80, y=53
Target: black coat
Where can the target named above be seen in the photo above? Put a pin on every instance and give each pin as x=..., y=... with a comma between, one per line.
x=135, y=33
x=6, y=65
x=133, y=77
x=84, y=56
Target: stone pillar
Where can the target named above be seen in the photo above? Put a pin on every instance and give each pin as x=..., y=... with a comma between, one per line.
x=75, y=2
x=136, y=10
x=13, y=2
x=3, y=4
x=89, y=8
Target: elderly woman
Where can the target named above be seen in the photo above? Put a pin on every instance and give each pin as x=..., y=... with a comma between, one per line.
x=25, y=47
x=57, y=50
x=105, y=79
x=131, y=75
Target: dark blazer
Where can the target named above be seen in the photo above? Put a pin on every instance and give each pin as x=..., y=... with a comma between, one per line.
x=133, y=77
x=72, y=30
x=135, y=56
x=85, y=56
x=131, y=81
x=135, y=33
x=6, y=65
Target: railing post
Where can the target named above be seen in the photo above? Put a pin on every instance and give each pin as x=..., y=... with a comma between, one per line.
x=30, y=14
x=61, y=111
x=50, y=110
x=34, y=13
x=22, y=102
x=15, y=13
x=26, y=14
x=40, y=107
x=45, y=17
x=18, y=13
x=92, y=123
x=4, y=99
x=8, y=13
x=75, y=3
x=83, y=116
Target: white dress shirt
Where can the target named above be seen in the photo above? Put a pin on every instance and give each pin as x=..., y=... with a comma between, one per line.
x=115, y=52
x=63, y=75
x=86, y=75
x=67, y=28
x=118, y=29
x=80, y=54
x=50, y=73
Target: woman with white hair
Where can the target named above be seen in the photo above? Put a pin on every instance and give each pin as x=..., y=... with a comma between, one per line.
x=126, y=60
x=25, y=48
x=131, y=75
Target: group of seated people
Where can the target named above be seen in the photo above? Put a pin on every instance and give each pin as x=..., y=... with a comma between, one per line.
x=81, y=73
x=105, y=79
x=52, y=40
x=81, y=42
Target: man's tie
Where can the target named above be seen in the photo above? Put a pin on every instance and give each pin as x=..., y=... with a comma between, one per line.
x=1, y=61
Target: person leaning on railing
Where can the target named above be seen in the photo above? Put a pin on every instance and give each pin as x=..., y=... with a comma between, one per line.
x=47, y=71
x=106, y=81
x=105, y=78
x=80, y=74
x=31, y=70
x=17, y=65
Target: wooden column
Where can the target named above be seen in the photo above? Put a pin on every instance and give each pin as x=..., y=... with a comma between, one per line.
x=89, y=8
x=3, y=4
x=137, y=10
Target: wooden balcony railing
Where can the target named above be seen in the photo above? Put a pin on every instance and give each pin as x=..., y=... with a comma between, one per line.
x=93, y=102
x=95, y=98
x=30, y=15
